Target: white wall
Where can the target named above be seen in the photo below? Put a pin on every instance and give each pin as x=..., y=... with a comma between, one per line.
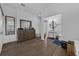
x=18, y=14
x=9, y=11
x=70, y=20
x=71, y=24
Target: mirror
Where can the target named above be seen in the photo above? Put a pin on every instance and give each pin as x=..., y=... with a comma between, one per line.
x=25, y=24
x=9, y=25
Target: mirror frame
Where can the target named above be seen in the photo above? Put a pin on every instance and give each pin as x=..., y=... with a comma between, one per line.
x=21, y=20
x=6, y=29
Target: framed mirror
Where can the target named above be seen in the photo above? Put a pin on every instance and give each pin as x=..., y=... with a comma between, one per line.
x=9, y=25
x=25, y=24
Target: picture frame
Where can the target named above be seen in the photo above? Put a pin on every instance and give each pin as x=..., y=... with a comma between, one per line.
x=9, y=25
x=25, y=24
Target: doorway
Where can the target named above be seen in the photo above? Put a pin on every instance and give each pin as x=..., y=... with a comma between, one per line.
x=53, y=27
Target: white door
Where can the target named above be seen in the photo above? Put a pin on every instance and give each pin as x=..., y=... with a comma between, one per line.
x=1, y=31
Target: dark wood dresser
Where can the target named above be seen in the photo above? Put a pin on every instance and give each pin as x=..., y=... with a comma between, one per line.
x=25, y=34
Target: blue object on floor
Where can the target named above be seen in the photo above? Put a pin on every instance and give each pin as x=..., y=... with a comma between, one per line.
x=57, y=42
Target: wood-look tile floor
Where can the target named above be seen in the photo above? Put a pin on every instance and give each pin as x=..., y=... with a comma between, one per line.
x=34, y=47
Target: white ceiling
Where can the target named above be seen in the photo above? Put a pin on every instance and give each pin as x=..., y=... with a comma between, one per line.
x=34, y=8
x=45, y=9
